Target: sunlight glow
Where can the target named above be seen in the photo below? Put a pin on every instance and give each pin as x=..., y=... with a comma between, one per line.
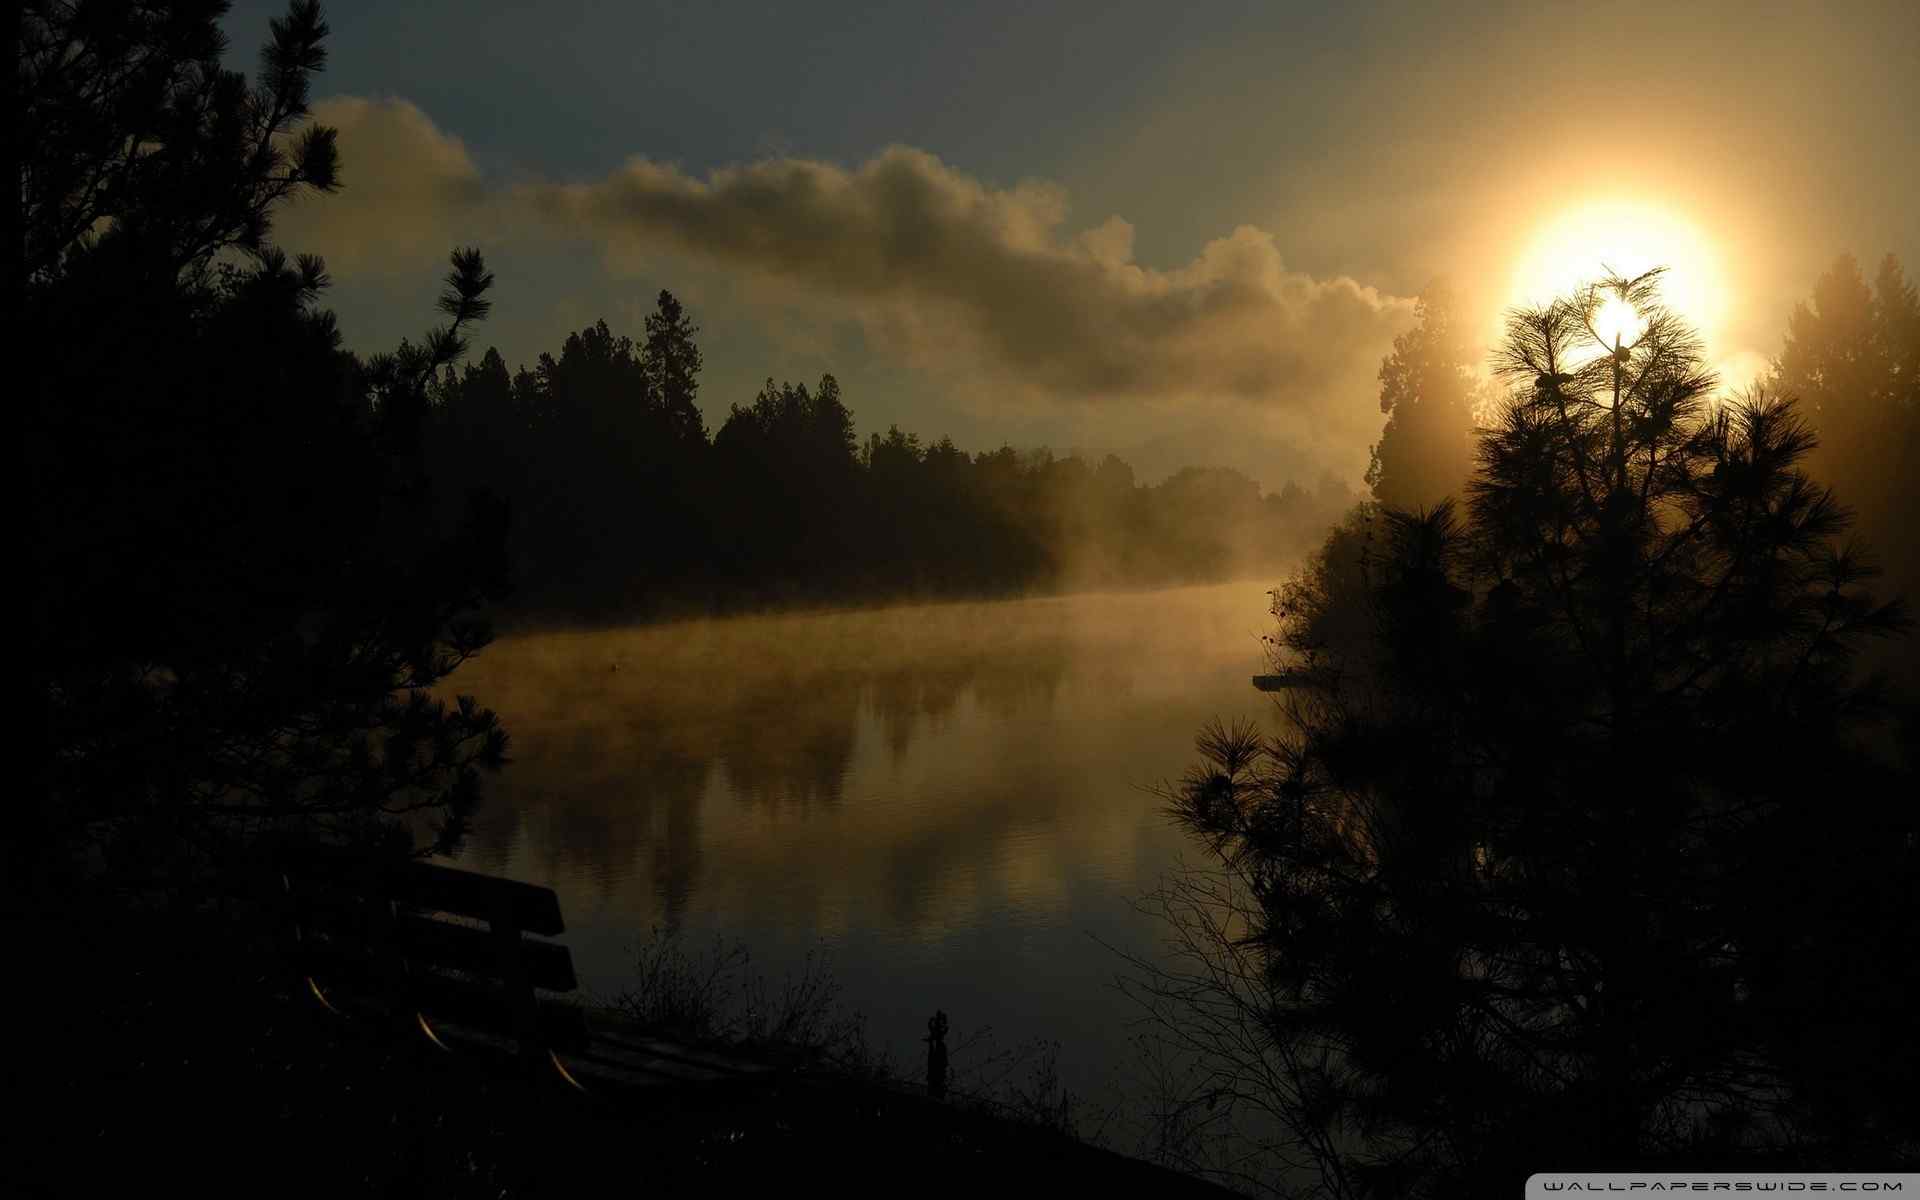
x=1617, y=323
x=1580, y=245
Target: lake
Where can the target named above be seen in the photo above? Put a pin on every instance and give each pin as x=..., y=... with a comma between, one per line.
x=953, y=803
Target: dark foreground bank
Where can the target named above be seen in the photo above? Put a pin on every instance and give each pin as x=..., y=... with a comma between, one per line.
x=157, y=1060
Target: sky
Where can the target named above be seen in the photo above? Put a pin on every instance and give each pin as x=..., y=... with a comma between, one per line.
x=1187, y=233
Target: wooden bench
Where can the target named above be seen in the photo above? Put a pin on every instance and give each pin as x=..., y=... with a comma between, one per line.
x=457, y=958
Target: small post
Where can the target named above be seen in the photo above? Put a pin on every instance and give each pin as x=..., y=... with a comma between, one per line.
x=937, y=1055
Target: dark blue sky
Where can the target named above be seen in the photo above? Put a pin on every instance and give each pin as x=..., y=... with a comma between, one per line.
x=709, y=84
x=567, y=89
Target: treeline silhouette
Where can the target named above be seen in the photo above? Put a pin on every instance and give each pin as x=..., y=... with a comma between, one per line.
x=624, y=507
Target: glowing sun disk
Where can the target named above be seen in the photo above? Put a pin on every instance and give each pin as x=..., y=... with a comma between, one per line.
x=1616, y=322
x=1583, y=244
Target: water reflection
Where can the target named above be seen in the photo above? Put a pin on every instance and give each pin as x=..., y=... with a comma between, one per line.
x=914, y=773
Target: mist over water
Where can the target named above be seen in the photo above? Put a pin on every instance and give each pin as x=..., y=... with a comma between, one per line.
x=952, y=800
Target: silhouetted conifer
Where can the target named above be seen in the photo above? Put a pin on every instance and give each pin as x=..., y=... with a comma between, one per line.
x=1427, y=390
x=1852, y=358
x=1585, y=846
x=240, y=604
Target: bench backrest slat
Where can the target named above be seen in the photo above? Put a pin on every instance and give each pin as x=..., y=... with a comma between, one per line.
x=548, y=966
x=431, y=886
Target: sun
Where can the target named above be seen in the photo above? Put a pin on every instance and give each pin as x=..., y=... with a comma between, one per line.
x=1582, y=244
x=1616, y=322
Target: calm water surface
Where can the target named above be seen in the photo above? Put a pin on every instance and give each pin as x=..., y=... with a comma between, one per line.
x=952, y=801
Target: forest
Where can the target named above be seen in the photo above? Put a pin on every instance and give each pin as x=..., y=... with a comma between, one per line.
x=624, y=507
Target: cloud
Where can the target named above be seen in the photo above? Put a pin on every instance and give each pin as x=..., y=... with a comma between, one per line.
x=409, y=193
x=985, y=289
x=952, y=268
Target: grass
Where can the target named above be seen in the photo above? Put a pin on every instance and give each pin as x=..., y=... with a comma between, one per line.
x=157, y=1056
x=715, y=995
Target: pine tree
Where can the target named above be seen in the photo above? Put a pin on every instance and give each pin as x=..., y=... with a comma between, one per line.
x=1852, y=358
x=1570, y=850
x=671, y=361
x=241, y=607
x=1425, y=452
